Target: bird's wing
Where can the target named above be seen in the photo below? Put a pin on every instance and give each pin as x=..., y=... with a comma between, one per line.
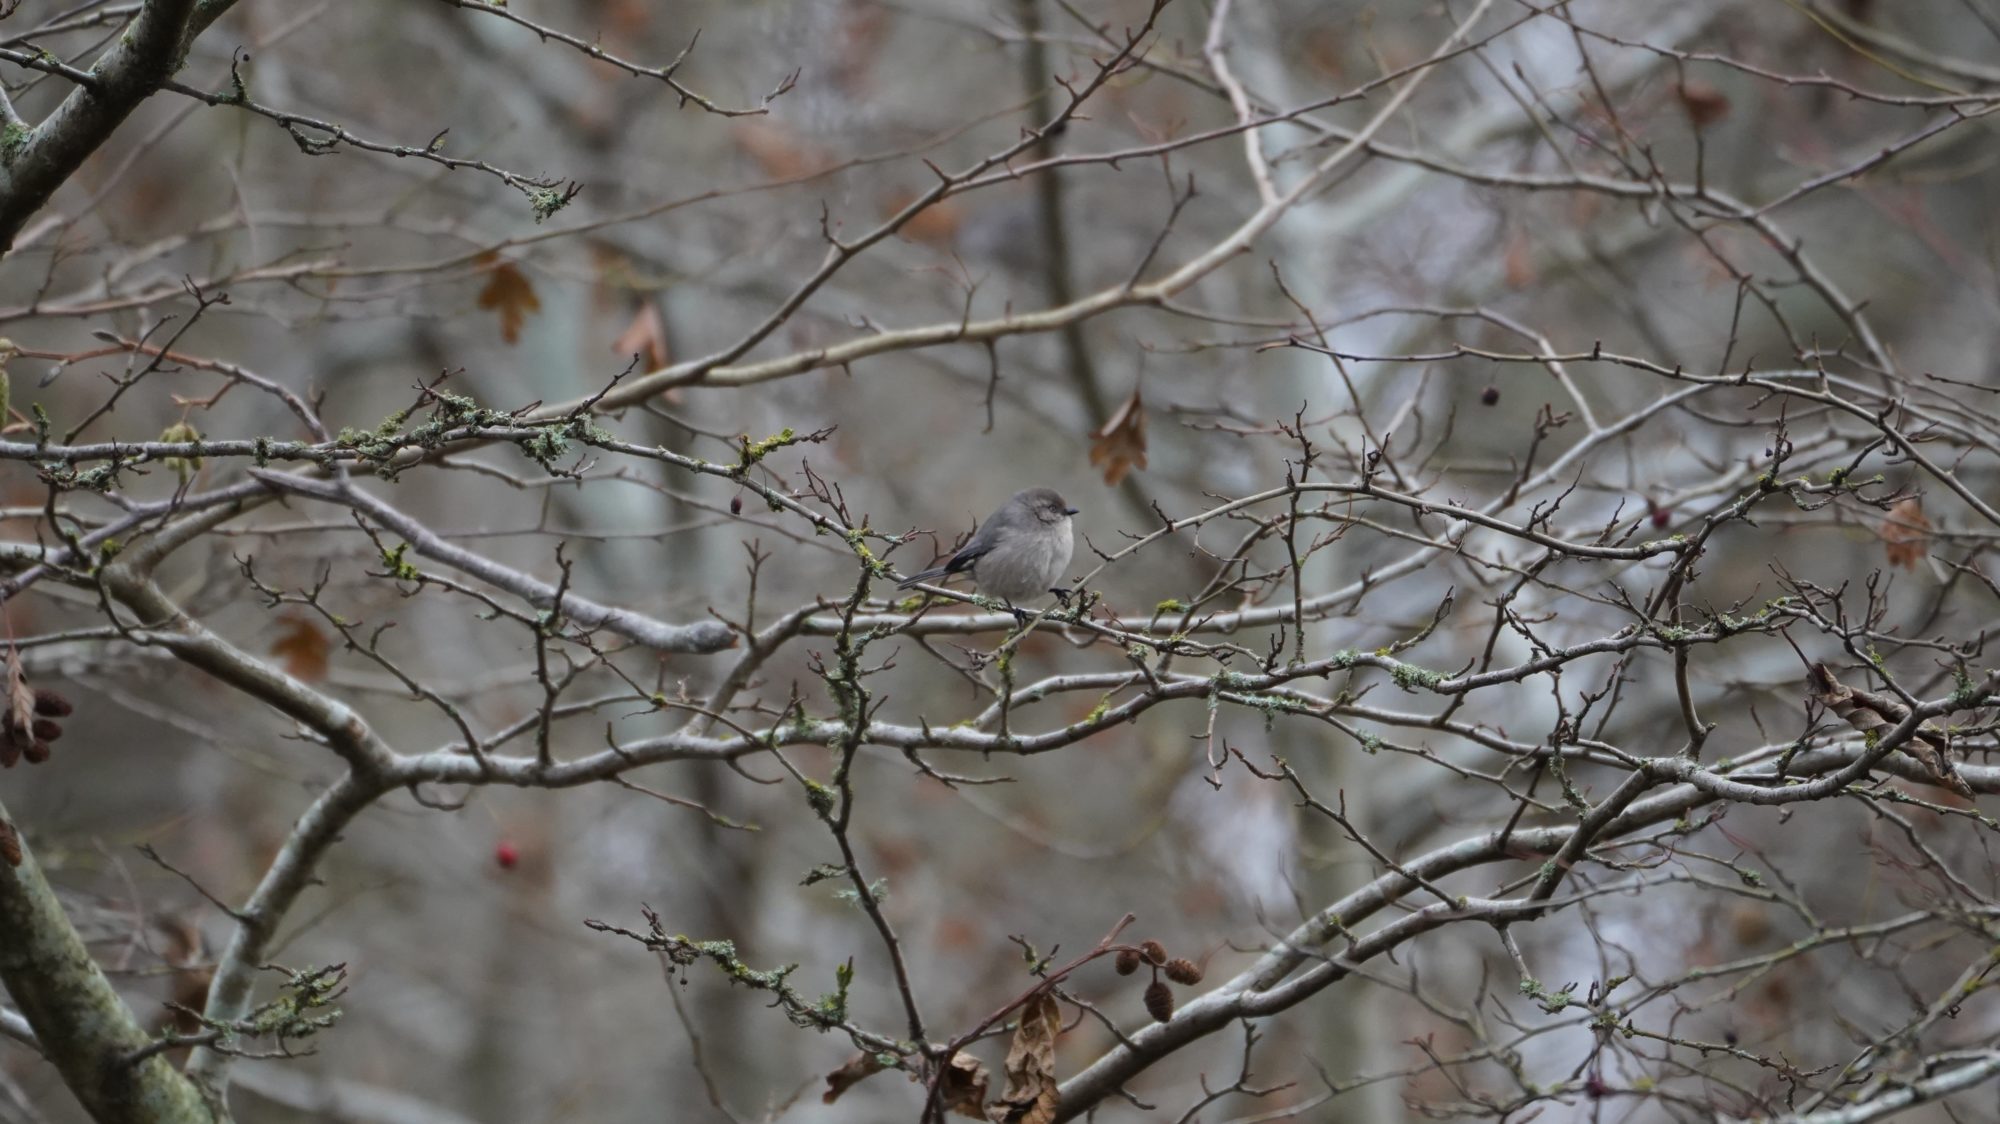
x=978, y=546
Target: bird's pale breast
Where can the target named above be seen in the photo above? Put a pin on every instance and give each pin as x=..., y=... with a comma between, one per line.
x=1026, y=565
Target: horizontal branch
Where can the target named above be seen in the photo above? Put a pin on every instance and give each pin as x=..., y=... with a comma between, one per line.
x=700, y=638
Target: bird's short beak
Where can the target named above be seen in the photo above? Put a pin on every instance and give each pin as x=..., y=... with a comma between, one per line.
x=1069, y=511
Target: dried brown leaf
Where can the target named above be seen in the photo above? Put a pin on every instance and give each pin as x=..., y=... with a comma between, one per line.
x=20, y=715
x=1518, y=263
x=780, y=152
x=1704, y=103
x=849, y=1075
x=1906, y=533
x=646, y=337
x=1120, y=446
x=1873, y=714
x=508, y=293
x=936, y=224
x=1325, y=50
x=190, y=996
x=963, y=1089
x=857, y=44
x=1032, y=1089
x=628, y=20
x=304, y=649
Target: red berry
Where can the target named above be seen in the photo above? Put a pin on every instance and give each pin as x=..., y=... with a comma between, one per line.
x=506, y=854
x=1490, y=396
x=1662, y=516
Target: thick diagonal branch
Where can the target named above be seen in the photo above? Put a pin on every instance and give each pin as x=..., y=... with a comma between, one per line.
x=80, y=1024
x=33, y=167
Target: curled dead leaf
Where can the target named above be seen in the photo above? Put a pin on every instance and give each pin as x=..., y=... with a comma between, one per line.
x=1906, y=533
x=1120, y=445
x=850, y=1074
x=1032, y=1089
x=20, y=717
x=963, y=1090
x=1873, y=715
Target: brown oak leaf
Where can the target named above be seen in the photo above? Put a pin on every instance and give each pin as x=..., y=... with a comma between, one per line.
x=1120, y=446
x=1906, y=533
x=508, y=293
x=304, y=649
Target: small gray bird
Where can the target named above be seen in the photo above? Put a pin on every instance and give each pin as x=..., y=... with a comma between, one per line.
x=1019, y=552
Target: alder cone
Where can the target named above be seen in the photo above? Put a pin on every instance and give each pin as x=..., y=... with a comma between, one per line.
x=1159, y=1001
x=1156, y=953
x=28, y=723
x=1127, y=961
x=1181, y=970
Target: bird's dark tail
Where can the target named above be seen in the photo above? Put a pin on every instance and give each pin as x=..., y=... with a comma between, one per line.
x=931, y=574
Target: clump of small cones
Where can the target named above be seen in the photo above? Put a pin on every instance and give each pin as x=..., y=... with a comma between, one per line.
x=1159, y=998
x=27, y=726
x=28, y=721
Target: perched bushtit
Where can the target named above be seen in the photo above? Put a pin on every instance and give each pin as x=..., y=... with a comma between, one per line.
x=1019, y=552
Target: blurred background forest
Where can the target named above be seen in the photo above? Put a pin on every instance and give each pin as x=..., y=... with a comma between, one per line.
x=1691, y=306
